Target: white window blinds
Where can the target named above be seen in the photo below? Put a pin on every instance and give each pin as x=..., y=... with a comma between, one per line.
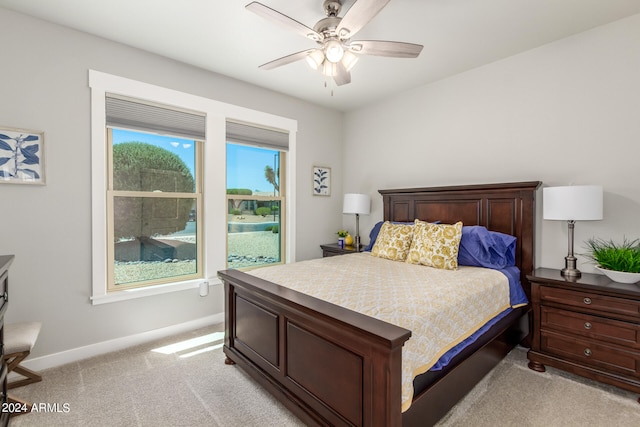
x=140, y=116
x=243, y=133
x=126, y=113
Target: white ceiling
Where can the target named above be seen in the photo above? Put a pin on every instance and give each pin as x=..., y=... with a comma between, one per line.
x=223, y=37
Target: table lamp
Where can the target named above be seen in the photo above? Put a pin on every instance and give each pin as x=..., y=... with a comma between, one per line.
x=356, y=204
x=572, y=203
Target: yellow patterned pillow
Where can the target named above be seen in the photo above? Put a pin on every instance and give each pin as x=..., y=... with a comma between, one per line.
x=435, y=245
x=393, y=241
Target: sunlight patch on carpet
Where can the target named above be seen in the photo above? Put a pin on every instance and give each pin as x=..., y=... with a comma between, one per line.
x=193, y=346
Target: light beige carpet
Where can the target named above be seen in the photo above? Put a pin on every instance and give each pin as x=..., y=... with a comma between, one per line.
x=183, y=381
x=514, y=395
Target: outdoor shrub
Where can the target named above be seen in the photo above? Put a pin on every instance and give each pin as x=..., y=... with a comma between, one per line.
x=275, y=229
x=236, y=211
x=138, y=166
x=144, y=167
x=263, y=211
x=268, y=228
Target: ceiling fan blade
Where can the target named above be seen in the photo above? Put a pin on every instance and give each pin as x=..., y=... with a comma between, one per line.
x=286, y=60
x=283, y=20
x=358, y=16
x=342, y=76
x=386, y=48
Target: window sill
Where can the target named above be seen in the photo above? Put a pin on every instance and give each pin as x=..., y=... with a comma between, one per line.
x=129, y=294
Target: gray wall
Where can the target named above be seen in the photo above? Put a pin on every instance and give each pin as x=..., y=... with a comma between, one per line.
x=44, y=86
x=567, y=112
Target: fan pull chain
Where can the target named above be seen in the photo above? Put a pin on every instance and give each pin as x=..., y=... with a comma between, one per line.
x=325, y=85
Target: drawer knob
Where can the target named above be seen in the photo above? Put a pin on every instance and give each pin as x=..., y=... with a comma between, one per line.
x=587, y=352
x=587, y=301
x=587, y=325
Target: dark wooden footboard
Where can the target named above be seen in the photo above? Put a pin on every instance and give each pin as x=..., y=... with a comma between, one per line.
x=327, y=364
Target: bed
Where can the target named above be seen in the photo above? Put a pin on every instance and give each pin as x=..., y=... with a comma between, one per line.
x=283, y=338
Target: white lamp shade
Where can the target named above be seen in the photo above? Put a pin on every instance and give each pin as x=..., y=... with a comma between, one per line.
x=356, y=204
x=572, y=203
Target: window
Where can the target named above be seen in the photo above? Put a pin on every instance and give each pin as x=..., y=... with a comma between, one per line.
x=255, y=227
x=154, y=194
x=121, y=205
x=256, y=188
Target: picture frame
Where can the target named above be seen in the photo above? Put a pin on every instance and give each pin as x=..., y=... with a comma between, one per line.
x=21, y=156
x=321, y=181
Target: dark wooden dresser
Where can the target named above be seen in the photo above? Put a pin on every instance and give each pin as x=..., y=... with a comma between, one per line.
x=589, y=326
x=5, y=263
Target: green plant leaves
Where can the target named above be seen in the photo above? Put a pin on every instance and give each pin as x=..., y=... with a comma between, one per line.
x=613, y=256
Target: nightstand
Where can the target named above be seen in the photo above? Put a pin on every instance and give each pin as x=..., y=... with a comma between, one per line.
x=333, y=249
x=589, y=327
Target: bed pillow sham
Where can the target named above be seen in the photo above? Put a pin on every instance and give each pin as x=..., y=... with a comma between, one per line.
x=393, y=241
x=435, y=245
x=373, y=234
x=480, y=247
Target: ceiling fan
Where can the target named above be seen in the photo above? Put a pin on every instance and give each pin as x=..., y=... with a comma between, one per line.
x=336, y=53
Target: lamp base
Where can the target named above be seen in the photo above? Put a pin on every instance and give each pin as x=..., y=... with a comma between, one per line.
x=357, y=239
x=570, y=270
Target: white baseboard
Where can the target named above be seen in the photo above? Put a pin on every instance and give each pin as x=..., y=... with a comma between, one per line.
x=73, y=355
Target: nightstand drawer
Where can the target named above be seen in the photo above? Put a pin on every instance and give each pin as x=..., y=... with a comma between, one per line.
x=592, y=353
x=600, y=328
x=591, y=302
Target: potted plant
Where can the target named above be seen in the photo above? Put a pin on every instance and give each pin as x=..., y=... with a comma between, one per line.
x=341, y=235
x=618, y=261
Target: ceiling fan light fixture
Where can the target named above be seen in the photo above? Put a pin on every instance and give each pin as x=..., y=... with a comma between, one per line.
x=315, y=59
x=333, y=50
x=335, y=54
x=329, y=69
x=349, y=60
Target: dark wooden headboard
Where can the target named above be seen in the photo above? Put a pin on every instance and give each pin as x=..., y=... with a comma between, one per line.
x=509, y=208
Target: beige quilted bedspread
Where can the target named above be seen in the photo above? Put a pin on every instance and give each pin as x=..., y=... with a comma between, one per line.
x=440, y=307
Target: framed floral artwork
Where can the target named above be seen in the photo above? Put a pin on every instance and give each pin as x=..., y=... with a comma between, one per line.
x=21, y=156
x=321, y=181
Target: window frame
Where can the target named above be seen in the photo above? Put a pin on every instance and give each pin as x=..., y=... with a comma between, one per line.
x=214, y=203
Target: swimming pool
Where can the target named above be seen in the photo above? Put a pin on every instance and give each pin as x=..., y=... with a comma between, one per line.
x=241, y=227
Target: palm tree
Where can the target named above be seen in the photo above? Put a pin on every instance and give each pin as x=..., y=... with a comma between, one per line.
x=272, y=177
